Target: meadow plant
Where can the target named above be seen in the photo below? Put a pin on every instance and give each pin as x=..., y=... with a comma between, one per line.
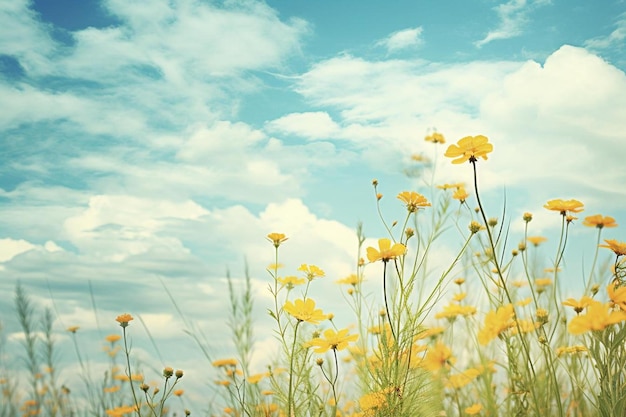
x=489, y=333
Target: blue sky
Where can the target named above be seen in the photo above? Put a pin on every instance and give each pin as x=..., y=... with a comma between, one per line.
x=152, y=140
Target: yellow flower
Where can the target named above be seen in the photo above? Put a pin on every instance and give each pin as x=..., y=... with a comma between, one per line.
x=291, y=281
x=578, y=305
x=536, y=240
x=449, y=186
x=570, y=350
x=73, y=329
x=495, y=323
x=460, y=194
x=351, y=279
x=563, y=206
x=599, y=221
x=254, y=379
x=385, y=251
x=436, y=137
x=473, y=409
x=453, y=310
x=543, y=282
x=619, y=248
x=112, y=338
x=597, y=317
x=438, y=356
x=276, y=238
x=413, y=200
x=617, y=296
x=114, y=388
x=120, y=411
x=460, y=380
x=179, y=392
x=332, y=340
x=470, y=148
x=225, y=362
x=123, y=319
x=373, y=401
x=311, y=271
x=304, y=310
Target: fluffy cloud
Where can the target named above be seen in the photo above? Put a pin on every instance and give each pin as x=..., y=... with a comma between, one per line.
x=403, y=39
x=312, y=125
x=513, y=17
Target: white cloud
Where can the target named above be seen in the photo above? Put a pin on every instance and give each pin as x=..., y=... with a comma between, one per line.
x=312, y=125
x=115, y=227
x=513, y=17
x=22, y=35
x=403, y=39
x=10, y=248
x=614, y=39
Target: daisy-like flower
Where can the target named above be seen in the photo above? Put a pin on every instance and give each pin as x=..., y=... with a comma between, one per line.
x=291, y=281
x=385, y=251
x=222, y=363
x=598, y=317
x=112, y=338
x=304, y=310
x=473, y=409
x=436, y=137
x=311, y=271
x=123, y=319
x=536, y=240
x=460, y=194
x=352, y=279
x=578, y=305
x=413, y=200
x=438, y=356
x=619, y=248
x=332, y=340
x=470, y=148
x=495, y=323
x=617, y=296
x=73, y=329
x=276, y=238
x=599, y=221
x=450, y=186
x=563, y=206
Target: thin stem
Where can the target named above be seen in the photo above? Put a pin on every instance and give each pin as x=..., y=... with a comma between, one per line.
x=293, y=351
x=386, y=303
x=129, y=373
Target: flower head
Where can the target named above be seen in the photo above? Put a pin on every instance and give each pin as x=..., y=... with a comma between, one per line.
x=123, y=319
x=578, y=305
x=617, y=296
x=598, y=317
x=332, y=340
x=291, y=281
x=413, y=200
x=495, y=323
x=276, y=238
x=619, y=248
x=311, y=271
x=536, y=240
x=470, y=148
x=304, y=310
x=352, y=279
x=460, y=194
x=385, y=251
x=599, y=221
x=563, y=206
x=112, y=338
x=436, y=137
x=73, y=329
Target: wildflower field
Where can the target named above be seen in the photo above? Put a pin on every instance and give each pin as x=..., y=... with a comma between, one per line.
x=488, y=334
